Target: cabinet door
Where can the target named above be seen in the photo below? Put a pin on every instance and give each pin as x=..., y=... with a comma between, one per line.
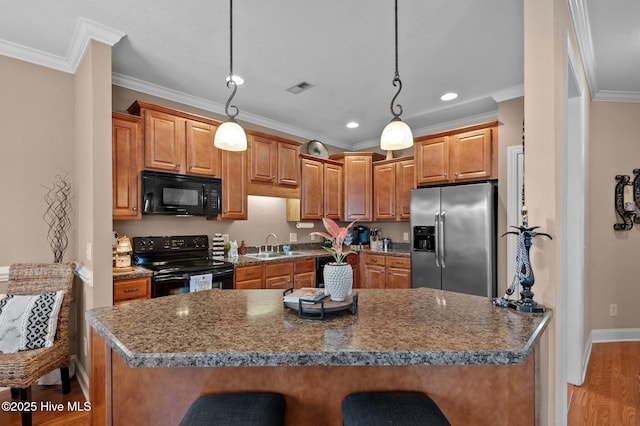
x=432, y=161
x=305, y=279
x=333, y=191
x=278, y=275
x=263, y=159
x=234, y=185
x=357, y=187
x=311, y=190
x=202, y=157
x=248, y=277
x=163, y=142
x=398, y=278
x=471, y=154
x=126, y=152
x=288, y=164
x=384, y=191
x=374, y=277
x=405, y=182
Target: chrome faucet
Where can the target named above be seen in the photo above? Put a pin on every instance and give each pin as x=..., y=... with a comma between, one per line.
x=266, y=241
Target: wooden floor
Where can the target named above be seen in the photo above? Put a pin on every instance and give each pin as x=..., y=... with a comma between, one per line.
x=53, y=395
x=610, y=394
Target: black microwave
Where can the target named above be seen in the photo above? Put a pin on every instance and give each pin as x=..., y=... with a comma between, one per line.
x=180, y=195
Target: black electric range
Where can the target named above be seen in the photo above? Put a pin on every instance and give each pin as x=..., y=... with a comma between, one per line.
x=181, y=264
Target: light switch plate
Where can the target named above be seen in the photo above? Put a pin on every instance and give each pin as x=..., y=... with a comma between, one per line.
x=293, y=237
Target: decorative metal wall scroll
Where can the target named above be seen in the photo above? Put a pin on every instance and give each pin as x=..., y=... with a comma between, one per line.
x=628, y=212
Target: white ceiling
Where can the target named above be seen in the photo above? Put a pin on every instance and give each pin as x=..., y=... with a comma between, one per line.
x=344, y=48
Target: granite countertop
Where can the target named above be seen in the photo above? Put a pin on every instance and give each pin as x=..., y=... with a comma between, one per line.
x=252, y=328
x=134, y=272
x=313, y=253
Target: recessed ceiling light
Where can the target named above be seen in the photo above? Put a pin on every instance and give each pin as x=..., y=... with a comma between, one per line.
x=449, y=96
x=352, y=124
x=239, y=80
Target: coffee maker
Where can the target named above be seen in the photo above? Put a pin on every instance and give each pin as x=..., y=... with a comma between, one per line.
x=360, y=235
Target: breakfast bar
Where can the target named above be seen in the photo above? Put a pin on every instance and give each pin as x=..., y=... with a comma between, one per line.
x=150, y=359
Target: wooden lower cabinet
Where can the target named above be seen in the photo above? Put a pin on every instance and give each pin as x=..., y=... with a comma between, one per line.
x=382, y=271
x=278, y=275
x=248, y=277
x=131, y=289
x=304, y=273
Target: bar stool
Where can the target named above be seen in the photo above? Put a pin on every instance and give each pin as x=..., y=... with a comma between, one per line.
x=391, y=408
x=233, y=409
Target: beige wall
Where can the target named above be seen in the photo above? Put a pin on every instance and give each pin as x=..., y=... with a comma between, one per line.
x=614, y=264
x=36, y=144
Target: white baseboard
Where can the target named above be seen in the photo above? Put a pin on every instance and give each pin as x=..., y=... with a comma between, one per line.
x=608, y=335
x=83, y=379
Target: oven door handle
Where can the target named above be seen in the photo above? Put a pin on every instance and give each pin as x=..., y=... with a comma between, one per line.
x=222, y=272
x=171, y=277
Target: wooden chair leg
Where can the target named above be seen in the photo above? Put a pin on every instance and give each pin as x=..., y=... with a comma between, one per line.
x=15, y=393
x=25, y=396
x=64, y=378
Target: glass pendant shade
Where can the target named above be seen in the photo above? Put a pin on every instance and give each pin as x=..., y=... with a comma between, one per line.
x=396, y=135
x=230, y=136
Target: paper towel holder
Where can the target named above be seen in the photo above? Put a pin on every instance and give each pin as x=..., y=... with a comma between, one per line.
x=304, y=225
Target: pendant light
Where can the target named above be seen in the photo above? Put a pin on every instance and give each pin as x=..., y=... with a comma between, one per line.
x=230, y=136
x=397, y=134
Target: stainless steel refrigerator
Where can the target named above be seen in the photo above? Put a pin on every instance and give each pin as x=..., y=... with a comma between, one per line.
x=453, y=238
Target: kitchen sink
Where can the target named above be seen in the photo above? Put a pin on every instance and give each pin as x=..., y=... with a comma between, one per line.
x=279, y=255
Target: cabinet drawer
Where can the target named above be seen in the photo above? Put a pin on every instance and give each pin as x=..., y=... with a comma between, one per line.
x=374, y=259
x=249, y=284
x=301, y=266
x=138, y=288
x=399, y=262
x=245, y=273
x=277, y=269
x=281, y=282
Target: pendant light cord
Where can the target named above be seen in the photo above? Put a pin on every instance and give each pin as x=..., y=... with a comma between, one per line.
x=396, y=78
x=230, y=83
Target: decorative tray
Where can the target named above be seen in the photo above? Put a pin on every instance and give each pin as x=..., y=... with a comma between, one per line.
x=317, y=310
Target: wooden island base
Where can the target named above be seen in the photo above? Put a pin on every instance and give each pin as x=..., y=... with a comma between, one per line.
x=467, y=395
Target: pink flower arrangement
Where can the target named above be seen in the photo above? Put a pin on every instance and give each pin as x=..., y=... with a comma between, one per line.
x=336, y=235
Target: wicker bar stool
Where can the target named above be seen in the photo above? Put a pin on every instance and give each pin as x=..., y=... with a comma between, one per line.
x=21, y=369
x=233, y=409
x=391, y=408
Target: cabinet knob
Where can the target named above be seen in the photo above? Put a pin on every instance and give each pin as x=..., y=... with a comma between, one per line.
x=456, y=174
x=178, y=166
x=273, y=177
x=190, y=166
x=135, y=209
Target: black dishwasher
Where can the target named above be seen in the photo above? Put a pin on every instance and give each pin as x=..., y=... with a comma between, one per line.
x=320, y=262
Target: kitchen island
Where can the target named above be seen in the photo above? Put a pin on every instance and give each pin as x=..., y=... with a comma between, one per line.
x=151, y=359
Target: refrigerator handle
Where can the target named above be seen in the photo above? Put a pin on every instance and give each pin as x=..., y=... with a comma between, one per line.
x=437, y=235
x=441, y=239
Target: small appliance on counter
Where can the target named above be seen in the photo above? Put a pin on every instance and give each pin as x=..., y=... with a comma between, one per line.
x=360, y=235
x=122, y=254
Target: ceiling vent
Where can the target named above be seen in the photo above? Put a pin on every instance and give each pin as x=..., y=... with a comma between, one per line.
x=300, y=87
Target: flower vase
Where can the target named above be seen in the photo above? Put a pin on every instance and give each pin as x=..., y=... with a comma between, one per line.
x=338, y=280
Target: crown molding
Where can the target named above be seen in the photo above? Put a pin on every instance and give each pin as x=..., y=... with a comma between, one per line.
x=508, y=93
x=580, y=20
x=617, y=96
x=207, y=105
x=85, y=30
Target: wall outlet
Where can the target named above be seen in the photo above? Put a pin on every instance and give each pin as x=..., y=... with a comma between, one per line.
x=225, y=237
x=313, y=237
x=613, y=310
x=293, y=237
x=405, y=236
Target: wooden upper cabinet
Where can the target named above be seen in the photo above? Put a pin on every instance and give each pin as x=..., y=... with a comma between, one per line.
x=234, y=185
x=263, y=159
x=392, y=181
x=163, y=141
x=466, y=154
x=432, y=160
x=311, y=189
x=274, y=167
x=471, y=155
x=321, y=189
x=288, y=165
x=333, y=191
x=126, y=152
x=178, y=142
x=358, y=180
x=202, y=157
